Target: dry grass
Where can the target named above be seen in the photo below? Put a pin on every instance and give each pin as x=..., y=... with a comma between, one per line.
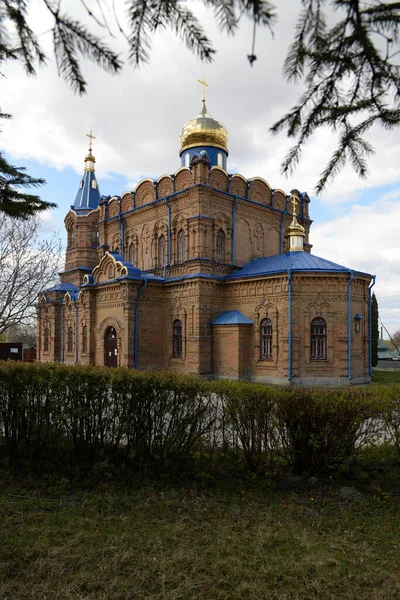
x=189, y=545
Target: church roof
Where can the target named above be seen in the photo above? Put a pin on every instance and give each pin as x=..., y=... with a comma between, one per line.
x=293, y=261
x=131, y=270
x=231, y=317
x=62, y=287
x=88, y=196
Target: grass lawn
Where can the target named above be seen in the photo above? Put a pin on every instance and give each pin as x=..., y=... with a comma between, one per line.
x=186, y=544
x=384, y=376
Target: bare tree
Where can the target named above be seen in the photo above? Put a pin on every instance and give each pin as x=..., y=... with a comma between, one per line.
x=27, y=265
x=26, y=333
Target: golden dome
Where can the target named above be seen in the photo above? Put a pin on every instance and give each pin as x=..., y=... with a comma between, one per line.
x=295, y=228
x=204, y=130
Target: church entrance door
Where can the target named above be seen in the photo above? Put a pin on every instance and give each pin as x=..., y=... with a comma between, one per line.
x=110, y=348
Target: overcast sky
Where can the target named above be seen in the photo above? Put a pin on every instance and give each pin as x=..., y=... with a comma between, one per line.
x=137, y=117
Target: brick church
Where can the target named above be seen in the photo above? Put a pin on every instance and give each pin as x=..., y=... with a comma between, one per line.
x=204, y=272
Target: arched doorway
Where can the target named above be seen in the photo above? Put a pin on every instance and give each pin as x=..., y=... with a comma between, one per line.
x=110, y=347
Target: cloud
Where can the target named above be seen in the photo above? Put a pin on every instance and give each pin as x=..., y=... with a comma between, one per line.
x=367, y=239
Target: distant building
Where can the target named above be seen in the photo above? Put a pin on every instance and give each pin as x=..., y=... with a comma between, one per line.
x=384, y=352
x=204, y=272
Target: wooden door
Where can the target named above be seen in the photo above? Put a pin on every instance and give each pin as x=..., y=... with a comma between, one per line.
x=110, y=348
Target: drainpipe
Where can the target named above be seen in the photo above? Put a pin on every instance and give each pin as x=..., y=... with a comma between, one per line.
x=122, y=228
x=169, y=239
x=349, y=324
x=281, y=227
x=136, y=336
x=76, y=333
x=370, y=325
x=290, y=323
x=62, y=333
x=234, y=205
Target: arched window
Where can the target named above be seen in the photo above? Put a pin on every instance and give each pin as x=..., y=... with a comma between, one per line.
x=162, y=251
x=181, y=246
x=46, y=341
x=111, y=272
x=266, y=338
x=84, y=339
x=220, y=246
x=177, y=339
x=132, y=254
x=318, y=339
x=187, y=159
x=220, y=160
x=70, y=340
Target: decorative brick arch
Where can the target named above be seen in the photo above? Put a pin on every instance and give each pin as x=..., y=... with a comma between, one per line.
x=183, y=179
x=238, y=185
x=260, y=191
x=164, y=186
x=218, y=178
x=113, y=207
x=126, y=201
x=267, y=310
x=144, y=192
x=177, y=311
x=110, y=322
x=280, y=200
x=319, y=307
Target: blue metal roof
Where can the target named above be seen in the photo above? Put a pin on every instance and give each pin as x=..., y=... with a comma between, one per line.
x=231, y=317
x=131, y=270
x=63, y=287
x=293, y=261
x=88, y=196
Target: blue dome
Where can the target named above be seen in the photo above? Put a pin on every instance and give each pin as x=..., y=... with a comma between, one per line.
x=88, y=196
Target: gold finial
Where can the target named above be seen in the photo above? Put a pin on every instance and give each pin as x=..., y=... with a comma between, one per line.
x=295, y=233
x=203, y=86
x=91, y=137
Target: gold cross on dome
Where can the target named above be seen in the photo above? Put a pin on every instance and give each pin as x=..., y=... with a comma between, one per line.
x=91, y=137
x=294, y=200
x=203, y=86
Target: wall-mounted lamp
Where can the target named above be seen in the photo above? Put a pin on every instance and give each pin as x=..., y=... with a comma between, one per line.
x=357, y=322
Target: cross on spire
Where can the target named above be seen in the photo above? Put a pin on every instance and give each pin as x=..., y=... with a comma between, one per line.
x=203, y=86
x=91, y=137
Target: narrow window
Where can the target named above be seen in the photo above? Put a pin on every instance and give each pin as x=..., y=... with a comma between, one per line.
x=132, y=254
x=220, y=160
x=181, y=246
x=318, y=339
x=72, y=237
x=94, y=184
x=84, y=339
x=266, y=338
x=187, y=159
x=162, y=250
x=46, y=343
x=220, y=246
x=70, y=340
x=177, y=339
x=95, y=238
x=111, y=272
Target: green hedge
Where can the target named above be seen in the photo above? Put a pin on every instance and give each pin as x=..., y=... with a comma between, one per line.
x=167, y=423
